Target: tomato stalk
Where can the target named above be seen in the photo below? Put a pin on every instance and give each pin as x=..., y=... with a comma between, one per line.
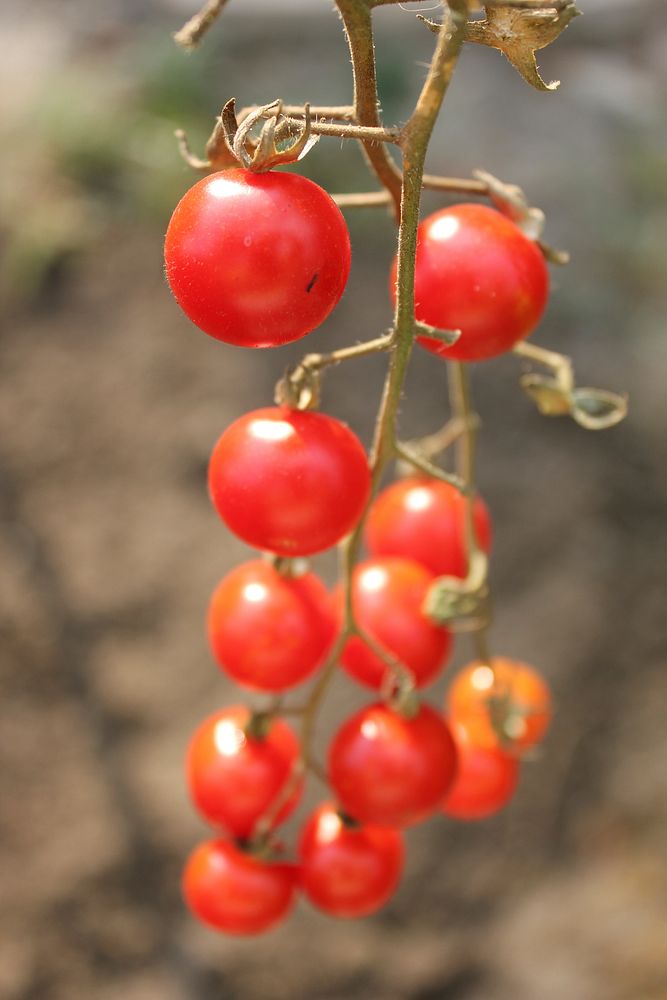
x=414, y=143
x=462, y=604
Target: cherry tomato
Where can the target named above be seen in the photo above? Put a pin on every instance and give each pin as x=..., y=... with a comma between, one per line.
x=257, y=259
x=232, y=891
x=234, y=777
x=390, y=770
x=513, y=712
x=270, y=631
x=289, y=481
x=424, y=519
x=388, y=595
x=478, y=273
x=348, y=870
x=485, y=781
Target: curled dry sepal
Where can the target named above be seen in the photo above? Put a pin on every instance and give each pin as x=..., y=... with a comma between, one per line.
x=451, y=601
x=281, y=139
x=594, y=409
x=519, y=32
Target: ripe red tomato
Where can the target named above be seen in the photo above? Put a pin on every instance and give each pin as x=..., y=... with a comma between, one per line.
x=234, y=777
x=232, y=891
x=289, y=481
x=389, y=770
x=269, y=631
x=388, y=595
x=485, y=781
x=513, y=713
x=478, y=273
x=257, y=259
x=424, y=519
x=348, y=870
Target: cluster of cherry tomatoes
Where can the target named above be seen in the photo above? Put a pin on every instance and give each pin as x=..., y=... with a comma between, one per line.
x=259, y=260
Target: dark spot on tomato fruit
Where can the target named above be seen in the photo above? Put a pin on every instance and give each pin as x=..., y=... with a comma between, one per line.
x=312, y=281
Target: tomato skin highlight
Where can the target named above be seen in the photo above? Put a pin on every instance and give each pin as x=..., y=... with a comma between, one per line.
x=348, y=870
x=388, y=770
x=477, y=272
x=288, y=481
x=234, y=892
x=234, y=778
x=268, y=631
x=388, y=595
x=424, y=519
x=522, y=702
x=485, y=781
x=257, y=259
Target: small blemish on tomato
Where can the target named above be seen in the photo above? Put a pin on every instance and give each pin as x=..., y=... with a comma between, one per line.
x=312, y=281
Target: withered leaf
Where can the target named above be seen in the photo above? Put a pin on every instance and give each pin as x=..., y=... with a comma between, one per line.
x=519, y=32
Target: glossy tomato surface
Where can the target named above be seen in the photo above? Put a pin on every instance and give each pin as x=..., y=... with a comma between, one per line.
x=257, y=259
x=289, y=481
x=388, y=595
x=389, y=770
x=348, y=870
x=485, y=781
x=478, y=273
x=234, y=892
x=509, y=706
x=424, y=519
x=234, y=778
x=270, y=631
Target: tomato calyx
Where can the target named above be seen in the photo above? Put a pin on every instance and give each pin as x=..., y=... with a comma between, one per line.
x=450, y=599
x=258, y=725
x=508, y=719
x=300, y=388
x=403, y=698
x=262, y=847
x=288, y=567
x=349, y=822
x=281, y=139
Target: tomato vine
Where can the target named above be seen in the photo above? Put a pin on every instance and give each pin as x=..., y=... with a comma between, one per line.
x=259, y=258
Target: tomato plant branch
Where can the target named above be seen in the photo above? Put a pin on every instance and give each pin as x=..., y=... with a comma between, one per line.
x=431, y=445
x=414, y=143
x=450, y=598
x=318, y=361
x=364, y=133
x=461, y=400
x=559, y=364
x=518, y=4
x=363, y=199
x=419, y=461
x=194, y=30
x=300, y=386
x=358, y=27
x=557, y=395
x=344, y=112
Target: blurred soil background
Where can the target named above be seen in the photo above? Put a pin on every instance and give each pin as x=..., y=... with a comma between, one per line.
x=110, y=404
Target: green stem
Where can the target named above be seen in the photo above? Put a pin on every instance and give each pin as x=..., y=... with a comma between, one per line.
x=358, y=26
x=414, y=143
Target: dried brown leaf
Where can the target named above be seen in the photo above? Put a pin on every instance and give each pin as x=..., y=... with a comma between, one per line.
x=519, y=33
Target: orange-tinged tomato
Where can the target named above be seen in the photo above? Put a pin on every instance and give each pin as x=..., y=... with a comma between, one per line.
x=505, y=704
